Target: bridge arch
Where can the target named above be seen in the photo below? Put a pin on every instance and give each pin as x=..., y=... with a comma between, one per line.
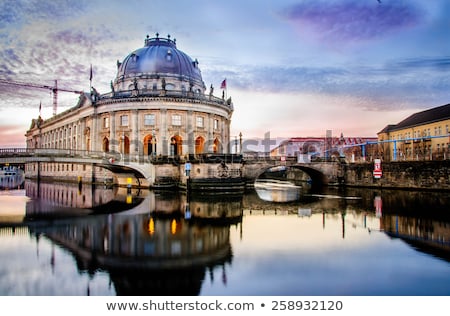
x=318, y=178
x=319, y=175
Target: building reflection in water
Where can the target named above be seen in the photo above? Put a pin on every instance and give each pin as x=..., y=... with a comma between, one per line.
x=66, y=199
x=166, y=245
x=401, y=214
x=15, y=181
x=427, y=235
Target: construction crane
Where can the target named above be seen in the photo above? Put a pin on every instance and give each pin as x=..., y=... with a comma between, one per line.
x=54, y=89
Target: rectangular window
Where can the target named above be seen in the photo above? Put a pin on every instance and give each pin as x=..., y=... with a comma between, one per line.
x=200, y=121
x=216, y=124
x=176, y=120
x=124, y=120
x=149, y=119
x=106, y=122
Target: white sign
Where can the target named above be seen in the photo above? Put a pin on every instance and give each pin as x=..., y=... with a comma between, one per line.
x=377, y=173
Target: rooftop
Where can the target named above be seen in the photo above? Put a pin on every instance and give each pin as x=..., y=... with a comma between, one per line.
x=436, y=114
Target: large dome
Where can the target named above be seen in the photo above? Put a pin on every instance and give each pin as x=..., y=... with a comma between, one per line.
x=158, y=59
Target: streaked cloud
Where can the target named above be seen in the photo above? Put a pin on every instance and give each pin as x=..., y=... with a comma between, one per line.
x=347, y=58
x=350, y=20
x=23, y=11
x=384, y=84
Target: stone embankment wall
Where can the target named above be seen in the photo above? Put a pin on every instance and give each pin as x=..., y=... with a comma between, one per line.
x=68, y=172
x=432, y=175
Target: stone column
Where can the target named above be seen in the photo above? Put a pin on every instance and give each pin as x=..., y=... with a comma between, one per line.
x=134, y=146
x=223, y=140
x=163, y=133
x=190, y=132
x=112, y=132
x=94, y=133
x=227, y=131
x=210, y=134
x=82, y=137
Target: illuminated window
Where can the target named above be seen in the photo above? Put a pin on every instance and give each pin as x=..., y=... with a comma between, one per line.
x=106, y=122
x=216, y=124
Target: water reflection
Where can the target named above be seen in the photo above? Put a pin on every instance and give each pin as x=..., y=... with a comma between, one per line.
x=166, y=243
x=145, y=255
x=163, y=243
x=54, y=200
x=426, y=235
x=12, y=181
x=419, y=218
x=277, y=190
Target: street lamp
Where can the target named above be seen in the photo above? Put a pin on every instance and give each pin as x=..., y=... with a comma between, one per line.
x=341, y=143
x=240, y=142
x=153, y=143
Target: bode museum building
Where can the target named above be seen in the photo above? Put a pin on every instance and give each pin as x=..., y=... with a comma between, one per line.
x=158, y=106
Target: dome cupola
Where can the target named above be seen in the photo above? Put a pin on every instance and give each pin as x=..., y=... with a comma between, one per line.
x=159, y=65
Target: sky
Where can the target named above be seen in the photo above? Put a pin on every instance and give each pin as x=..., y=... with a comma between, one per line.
x=294, y=68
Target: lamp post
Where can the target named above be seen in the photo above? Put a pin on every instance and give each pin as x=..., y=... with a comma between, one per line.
x=153, y=143
x=240, y=142
x=341, y=143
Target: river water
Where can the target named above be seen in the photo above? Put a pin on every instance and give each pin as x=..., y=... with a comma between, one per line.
x=62, y=239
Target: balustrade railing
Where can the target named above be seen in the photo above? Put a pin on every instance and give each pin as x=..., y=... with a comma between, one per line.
x=15, y=151
x=159, y=93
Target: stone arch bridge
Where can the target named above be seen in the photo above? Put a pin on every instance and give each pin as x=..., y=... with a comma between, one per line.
x=145, y=171
x=217, y=171
x=320, y=172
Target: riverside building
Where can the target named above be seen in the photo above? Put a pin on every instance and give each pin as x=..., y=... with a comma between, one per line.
x=423, y=135
x=158, y=106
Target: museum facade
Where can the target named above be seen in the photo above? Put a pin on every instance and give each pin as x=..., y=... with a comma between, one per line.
x=158, y=106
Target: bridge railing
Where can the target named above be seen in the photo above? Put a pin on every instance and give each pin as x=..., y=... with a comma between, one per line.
x=11, y=152
x=117, y=157
x=52, y=152
x=273, y=159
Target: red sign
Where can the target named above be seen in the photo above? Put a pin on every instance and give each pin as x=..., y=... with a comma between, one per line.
x=377, y=173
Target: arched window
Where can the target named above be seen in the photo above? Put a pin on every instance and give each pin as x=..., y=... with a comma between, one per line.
x=199, y=143
x=125, y=145
x=149, y=145
x=217, y=148
x=105, y=146
x=176, y=146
